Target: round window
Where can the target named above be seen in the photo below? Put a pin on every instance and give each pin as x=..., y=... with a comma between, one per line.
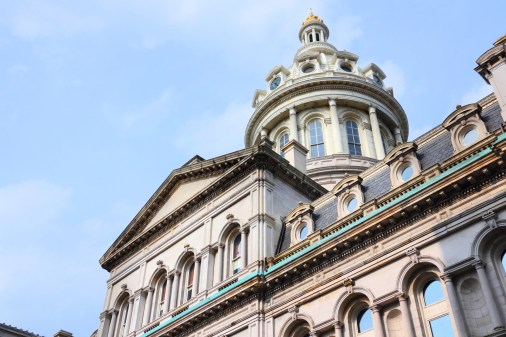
x=470, y=136
x=346, y=67
x=303, y=232
x=308, y=69
x=352, y=204
x=407, y=173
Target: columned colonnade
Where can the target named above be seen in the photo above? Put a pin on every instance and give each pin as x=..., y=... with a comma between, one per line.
x=336, y=142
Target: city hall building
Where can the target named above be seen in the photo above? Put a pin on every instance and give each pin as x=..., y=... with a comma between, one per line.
x=329, y=222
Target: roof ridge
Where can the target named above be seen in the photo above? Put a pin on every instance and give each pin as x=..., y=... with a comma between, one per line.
x=19, y=329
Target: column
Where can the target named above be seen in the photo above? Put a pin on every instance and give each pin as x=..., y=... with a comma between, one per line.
x=377, y=321
x=196, y=278
x=221, y=252
x=338, y=327
x=376, y=134
x=489, y=296
x=293, y=125
x=244, y=242
x=113, y=323
x=129, y=315
x=148, y=306
x=206, y=268
x=173, y=292
x=168, y=289
x=104, y=319
x=314, y=34
x=455, y=305
x=397, y=135
x=407, y=324
x=335, y=124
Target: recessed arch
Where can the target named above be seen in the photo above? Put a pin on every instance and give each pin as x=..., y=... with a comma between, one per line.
x=296, y=320
x=410, y=268
x=346, y=298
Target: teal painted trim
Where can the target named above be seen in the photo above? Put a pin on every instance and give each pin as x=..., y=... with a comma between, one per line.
x=204, y=302
x=346, y=228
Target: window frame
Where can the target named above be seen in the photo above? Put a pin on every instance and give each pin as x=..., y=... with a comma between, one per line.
x=354, y=143
x=317, y=143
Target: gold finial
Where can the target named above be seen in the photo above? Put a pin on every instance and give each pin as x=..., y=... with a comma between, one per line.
x=311, y=17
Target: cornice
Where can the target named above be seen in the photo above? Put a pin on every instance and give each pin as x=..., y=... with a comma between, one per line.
x=342, y=240
x=261, y=157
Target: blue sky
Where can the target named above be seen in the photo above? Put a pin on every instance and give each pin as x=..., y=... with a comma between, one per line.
x=100, y=100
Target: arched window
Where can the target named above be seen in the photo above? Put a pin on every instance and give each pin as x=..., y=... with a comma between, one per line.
x=236, y=254
x=162, y=289
x=433, y=292
x=364, y=320
x=353, y=138
x=435, y=310
x=317, y=37
x=310, y=37
x=189, y=281
x=504, y=261
x=283, y=140
x=123, y=316
x=316, y=139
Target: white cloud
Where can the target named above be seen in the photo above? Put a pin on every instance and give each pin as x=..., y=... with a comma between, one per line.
x=475, y=94
x=215, y=134
x=346, y=31
x=395, y=77
x=31, y=203
x=37, y=19
x=157, y=106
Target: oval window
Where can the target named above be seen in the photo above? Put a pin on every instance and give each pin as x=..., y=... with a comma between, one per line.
x=303, y=232
x=352, y=204
x=346, y=67
x=308, y=69
x=407, y=173
x=470, y=136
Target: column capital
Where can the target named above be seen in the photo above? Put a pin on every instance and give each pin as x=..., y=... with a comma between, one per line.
x=332, y=102
x=113, y=312
x=292, y=111
x=402, y=297
x=104, y=314
x=479, y=264
x=338, y=325
x=375, y=308
x=149, y=289
x=372, y=109
x=131, y=299
x=447, y=278
x=314, y=333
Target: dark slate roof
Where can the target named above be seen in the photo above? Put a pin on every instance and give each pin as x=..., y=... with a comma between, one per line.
x=435, y=151
x=325, y=215
x=429, y=153
x=9, y=330
x=492, y=117
x=377, y=184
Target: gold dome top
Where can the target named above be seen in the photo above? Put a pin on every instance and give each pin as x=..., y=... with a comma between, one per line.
x=311, y=17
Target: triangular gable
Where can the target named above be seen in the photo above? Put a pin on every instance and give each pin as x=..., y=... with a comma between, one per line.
x=181, y=194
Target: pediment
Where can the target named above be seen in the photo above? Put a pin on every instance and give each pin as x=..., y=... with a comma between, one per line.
x=181, y=193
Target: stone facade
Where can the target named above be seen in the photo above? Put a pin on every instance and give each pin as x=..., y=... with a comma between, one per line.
x=261, y=242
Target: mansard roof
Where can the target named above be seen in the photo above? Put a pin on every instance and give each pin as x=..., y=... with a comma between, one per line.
x=218, y=175
x=432, y=149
